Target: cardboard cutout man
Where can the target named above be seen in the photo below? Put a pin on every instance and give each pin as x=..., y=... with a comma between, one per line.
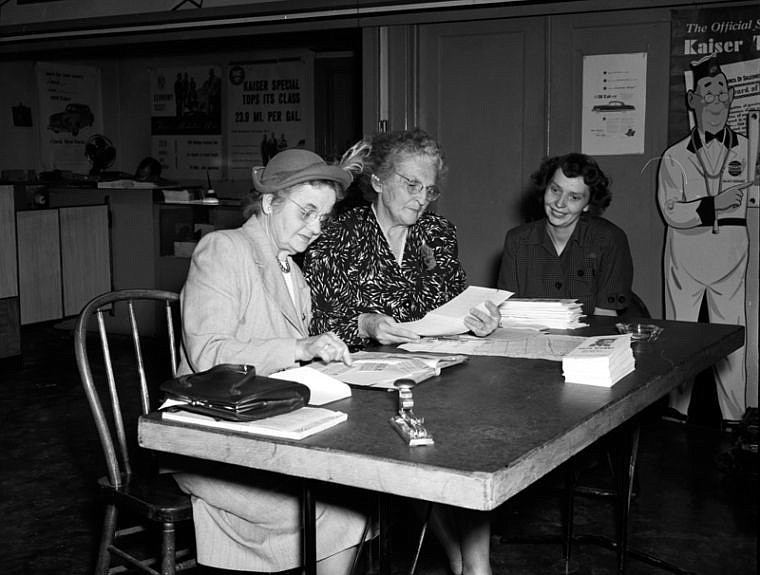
x=701, y=193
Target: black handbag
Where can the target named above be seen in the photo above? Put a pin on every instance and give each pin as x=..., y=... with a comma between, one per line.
x=234, y=392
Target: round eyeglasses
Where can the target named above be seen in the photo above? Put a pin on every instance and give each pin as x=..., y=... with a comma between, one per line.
x=710, y=98
x=310, y=215
x=416, y=188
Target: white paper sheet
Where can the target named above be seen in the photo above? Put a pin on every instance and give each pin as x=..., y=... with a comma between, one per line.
x=448, y=319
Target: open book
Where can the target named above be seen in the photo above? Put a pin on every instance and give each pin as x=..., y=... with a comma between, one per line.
x=380, y=370
x=293, y=425
x=448, y=319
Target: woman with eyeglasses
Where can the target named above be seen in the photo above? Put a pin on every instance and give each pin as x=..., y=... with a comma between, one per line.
x=391, y=261
x=246, y=302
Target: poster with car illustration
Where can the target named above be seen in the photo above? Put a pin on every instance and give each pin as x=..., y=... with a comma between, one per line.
x=70, y=111
x=614, y=104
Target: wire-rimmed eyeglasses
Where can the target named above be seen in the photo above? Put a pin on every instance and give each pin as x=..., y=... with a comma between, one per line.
x=310, y=215
x=415, y=188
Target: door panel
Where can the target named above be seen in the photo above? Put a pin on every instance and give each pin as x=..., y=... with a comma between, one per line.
x=482, y=95
x=634, y=176
x=85, y=255
x=8, y=273
x=39, y=265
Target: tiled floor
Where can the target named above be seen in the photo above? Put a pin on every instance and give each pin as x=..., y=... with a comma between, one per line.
x=691, y=508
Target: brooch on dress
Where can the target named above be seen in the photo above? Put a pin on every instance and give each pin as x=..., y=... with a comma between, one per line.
x=428, y=257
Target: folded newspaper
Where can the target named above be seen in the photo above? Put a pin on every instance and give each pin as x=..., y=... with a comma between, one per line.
x=381, y=370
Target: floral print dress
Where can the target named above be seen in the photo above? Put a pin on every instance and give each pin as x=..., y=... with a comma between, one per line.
x=351, y=270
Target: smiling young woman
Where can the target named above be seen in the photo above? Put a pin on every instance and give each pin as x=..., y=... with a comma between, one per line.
x=571, y=252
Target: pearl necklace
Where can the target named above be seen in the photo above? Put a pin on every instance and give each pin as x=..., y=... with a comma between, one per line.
x=284, y=265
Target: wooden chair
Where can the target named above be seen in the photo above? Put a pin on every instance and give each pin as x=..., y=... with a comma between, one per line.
x=132, y=491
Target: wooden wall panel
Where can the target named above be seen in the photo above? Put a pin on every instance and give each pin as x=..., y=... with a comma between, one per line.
x=85, y=255
x=481, y=93
x=39, y=265
x=8, y=270
x=634, y=176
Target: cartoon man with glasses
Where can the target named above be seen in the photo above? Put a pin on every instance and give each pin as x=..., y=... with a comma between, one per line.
x=702, y=185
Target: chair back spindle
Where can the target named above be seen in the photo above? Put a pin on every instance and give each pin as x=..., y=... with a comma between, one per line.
x=111, y=426
x=129, y=484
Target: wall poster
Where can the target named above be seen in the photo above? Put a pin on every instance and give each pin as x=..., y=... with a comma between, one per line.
x=614, y=104
x=705, y=188
x=70, y=112
x=186, y=121
x=269, y=109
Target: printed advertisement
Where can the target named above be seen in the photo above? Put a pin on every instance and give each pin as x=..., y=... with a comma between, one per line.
x=733, y=35
x=714, y=83
x=267, y=111
x=70, y=109
x=614, y=104
x=186, y=121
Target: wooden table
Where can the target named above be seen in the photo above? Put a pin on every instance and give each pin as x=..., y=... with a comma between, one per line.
x=499, y=424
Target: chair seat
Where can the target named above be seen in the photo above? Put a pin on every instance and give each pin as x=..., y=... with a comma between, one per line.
x=156, y=498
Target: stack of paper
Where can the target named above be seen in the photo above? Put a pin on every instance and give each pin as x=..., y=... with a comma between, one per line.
x=599, y=360
x=448, y=319
x=541, y=313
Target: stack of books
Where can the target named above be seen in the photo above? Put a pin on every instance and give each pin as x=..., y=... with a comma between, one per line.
x=541, y=313
x=601, y=360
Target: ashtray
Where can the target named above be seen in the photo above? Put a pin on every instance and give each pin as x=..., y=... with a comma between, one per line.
x=640, y=331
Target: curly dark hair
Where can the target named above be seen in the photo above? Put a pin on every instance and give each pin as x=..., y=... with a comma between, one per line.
x=574, y=165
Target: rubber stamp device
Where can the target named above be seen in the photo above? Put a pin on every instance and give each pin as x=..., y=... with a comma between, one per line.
x=409, y=426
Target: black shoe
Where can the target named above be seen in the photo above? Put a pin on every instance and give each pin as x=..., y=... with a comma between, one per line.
x=671, y=414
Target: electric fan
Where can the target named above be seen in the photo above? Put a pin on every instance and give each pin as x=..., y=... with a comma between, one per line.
x=101, y=153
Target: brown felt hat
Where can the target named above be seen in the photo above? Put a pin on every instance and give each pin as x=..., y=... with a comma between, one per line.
x=295, y=166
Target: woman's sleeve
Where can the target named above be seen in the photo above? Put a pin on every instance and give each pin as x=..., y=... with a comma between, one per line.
x=328, y=269
x=508, y=267
x=614, y=287
x=214, y=309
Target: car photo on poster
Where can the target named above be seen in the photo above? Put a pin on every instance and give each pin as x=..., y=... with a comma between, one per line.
x=613, y=106
x=72, y=119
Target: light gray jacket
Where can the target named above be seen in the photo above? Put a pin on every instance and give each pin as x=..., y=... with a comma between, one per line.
x=235, y=304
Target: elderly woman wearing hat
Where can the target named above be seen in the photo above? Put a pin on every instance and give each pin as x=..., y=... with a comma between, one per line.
x=245, y=301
